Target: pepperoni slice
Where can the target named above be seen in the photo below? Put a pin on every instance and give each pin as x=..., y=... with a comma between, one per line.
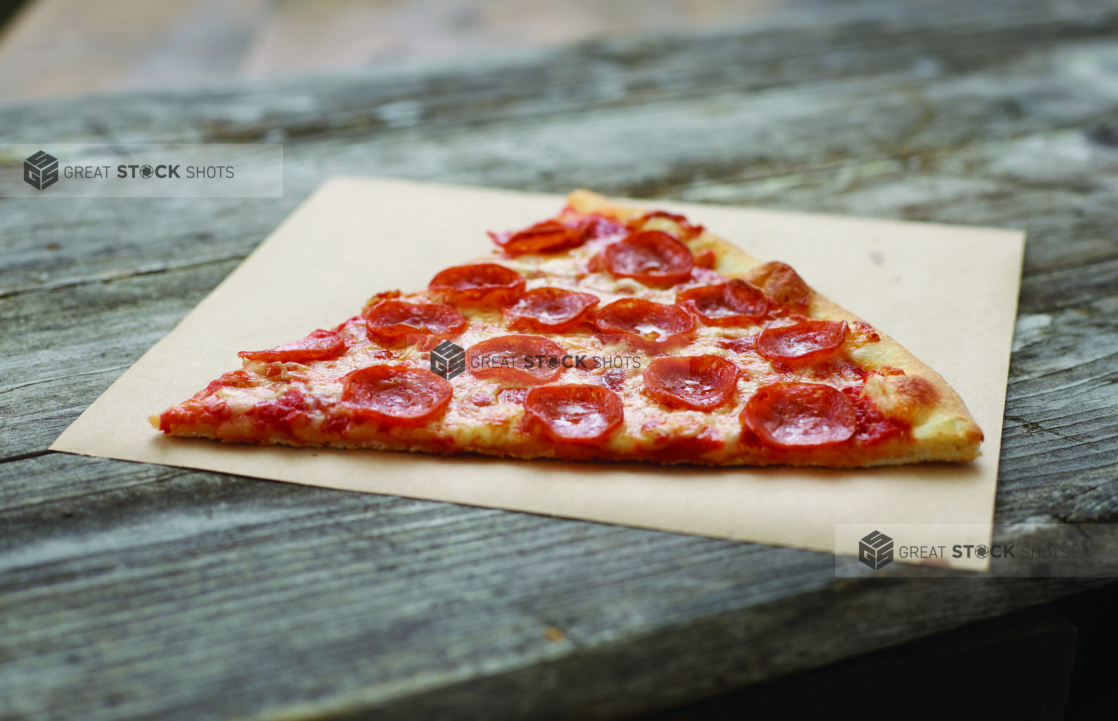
x=575, y=413
x=395, y=395
x=800, y=415
x=550, y=309
x=651, y=256
x=733, y=303
x=319, y=345
x=479, y=284
x=701, y=383
x=546, y=237
x=706, y=259
x=655, y=324
x=516, y=358
x=395, y=319
x=808, y=342
x=689, y=229
x=598, y=228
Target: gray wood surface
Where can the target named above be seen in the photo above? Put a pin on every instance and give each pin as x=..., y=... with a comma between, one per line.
x=130, y=591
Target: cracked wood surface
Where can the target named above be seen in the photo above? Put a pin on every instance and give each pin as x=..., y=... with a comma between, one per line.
x=133, y=591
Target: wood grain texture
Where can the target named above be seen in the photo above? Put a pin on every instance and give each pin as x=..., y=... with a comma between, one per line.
x=336, y=34
x=130, y=591
x=70, y=47
x=1007, y=668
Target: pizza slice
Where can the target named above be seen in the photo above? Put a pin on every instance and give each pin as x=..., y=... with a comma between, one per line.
x=608, y=333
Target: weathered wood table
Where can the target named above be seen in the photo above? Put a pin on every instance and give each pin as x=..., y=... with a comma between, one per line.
x=132, y=591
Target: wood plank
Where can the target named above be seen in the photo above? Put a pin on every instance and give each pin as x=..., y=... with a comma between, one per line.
x=75, y=341
x=334, y=34
x=602, y=105
x=133, y=591
x=1013, y=667
x=64, y=47
x=369, y=602
x=72, y=47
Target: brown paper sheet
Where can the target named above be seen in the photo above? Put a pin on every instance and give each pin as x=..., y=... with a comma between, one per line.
x=947, y=293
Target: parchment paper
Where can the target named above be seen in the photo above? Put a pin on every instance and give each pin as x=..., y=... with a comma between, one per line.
x=947, y=293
